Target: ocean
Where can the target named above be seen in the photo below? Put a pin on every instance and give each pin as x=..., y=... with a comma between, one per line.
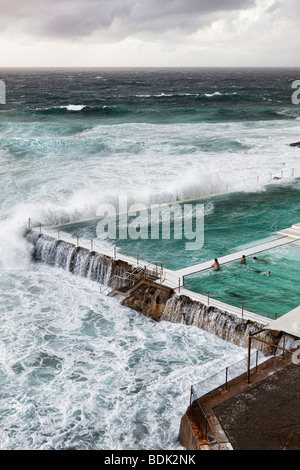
x=77, y=369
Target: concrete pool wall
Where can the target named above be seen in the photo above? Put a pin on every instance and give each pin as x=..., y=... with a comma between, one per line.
x=160, y=302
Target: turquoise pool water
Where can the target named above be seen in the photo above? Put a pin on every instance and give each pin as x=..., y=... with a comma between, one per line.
x=230, y=222
x=226, y=217
x=267, y=295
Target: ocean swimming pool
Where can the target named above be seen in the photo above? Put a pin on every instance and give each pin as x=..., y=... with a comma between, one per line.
x=233, y=222
x=230, y=220
x=247, y=286
x=80, y=371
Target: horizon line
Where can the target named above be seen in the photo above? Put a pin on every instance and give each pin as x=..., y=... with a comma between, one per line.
x=148, y=67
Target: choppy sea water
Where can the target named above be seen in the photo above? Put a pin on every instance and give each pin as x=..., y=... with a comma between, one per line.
x=77, y=369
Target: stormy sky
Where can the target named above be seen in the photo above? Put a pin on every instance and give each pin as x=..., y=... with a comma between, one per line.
x=149, y=33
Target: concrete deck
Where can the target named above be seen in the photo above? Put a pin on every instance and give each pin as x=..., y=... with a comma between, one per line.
x=262, y=415
x=266, y=416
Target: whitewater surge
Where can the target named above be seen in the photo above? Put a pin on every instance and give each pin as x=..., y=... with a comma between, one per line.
x=77, y=369
x=82, y=372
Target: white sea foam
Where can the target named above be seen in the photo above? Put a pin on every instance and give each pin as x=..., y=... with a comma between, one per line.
x=170, y=164
x=161, y=95
x=73, y=107
x=70, y=107
x=81, y=371
x=217, y=93
x=82, y=378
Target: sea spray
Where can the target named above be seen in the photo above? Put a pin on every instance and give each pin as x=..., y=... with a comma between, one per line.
x=121, y=381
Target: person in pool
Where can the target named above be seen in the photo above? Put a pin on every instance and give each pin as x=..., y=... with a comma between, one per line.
x=216, y=265
x=267, y=273
x=261, y=260
x=243, y=260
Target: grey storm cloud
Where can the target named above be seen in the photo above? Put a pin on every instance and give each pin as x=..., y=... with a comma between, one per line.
x=79, y=18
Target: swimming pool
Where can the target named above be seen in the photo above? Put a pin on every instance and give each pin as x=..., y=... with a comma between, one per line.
x=248, y=286
x=229, y=220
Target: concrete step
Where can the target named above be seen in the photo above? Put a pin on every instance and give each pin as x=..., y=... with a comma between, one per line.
x=291, y=233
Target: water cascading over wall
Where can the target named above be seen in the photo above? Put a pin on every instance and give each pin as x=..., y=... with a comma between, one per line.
x=149, y=301
x=226, y=326
x=77, y=260
x=176, y=308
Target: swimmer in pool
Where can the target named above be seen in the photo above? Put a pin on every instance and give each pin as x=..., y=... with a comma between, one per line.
x=267, y=273
x=216, y=265
x=243, y=260
x=261, y=260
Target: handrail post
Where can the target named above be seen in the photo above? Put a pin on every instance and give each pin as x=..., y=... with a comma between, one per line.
x=191, y=394
x=58, y=237
x=92, y=245
x=40, y=227
x=179, y=284
x=77, y=240
x=206, y=428
x=249, y=358
x=226, y=382
x=208, y=298
x=243, y=303
x=29, y=225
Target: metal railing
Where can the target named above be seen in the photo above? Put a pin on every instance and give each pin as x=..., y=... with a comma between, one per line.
x=154, y=267
x=223, y=377
x=259, y=180
x=211, y=297
x=242, y=371
x=91, y=245
x=201, y=425
x=253, y=234
x=128, y=279
x=250, y=364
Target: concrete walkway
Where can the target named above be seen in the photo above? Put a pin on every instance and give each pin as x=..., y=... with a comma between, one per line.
x=197, y=268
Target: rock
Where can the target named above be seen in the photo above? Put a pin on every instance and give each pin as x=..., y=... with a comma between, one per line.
x=296, y=144
x=148, y=301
